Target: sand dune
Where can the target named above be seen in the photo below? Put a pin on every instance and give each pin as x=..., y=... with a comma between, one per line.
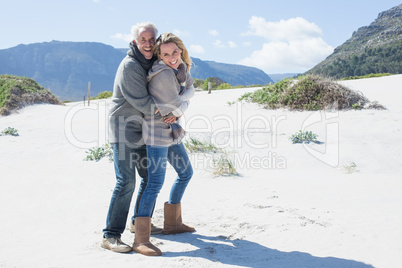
x=292, y=205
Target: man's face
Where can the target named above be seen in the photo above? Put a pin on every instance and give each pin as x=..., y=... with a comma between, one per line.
x=146, y=43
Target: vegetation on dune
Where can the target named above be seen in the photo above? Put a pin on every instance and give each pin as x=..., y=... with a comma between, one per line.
x=220, y=162
x=17, y=92
x=366, y=76
x=303, y=137
x=9, y=131
x=310, y=93
x=216, y=84
x=194, y=145
x=97, y=153
x=103, y=95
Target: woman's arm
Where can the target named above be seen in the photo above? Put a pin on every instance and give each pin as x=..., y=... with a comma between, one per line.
x=185, y=101
x=163, y=89
x=188, y=94
x=183, y=107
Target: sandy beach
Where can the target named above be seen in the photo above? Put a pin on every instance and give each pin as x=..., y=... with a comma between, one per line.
x=333, y=204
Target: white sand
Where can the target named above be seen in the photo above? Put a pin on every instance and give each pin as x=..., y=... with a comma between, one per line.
x=293, y=205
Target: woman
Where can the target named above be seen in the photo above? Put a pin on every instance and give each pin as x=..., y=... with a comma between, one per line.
x=171, y=86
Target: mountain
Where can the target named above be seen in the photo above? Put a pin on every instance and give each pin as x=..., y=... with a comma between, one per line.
x=230, y=73
x=279, y=77
x=65, y=68
x=376, y=48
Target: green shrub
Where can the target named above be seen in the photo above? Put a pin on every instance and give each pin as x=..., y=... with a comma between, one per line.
x=307, y=93
x=97, y=153
x=224, y=86
x=215, y=82
x=17, y=92
x=303, y=137
x=198, y=83
x=9, y=131
x=104, y=95
x=366, y=76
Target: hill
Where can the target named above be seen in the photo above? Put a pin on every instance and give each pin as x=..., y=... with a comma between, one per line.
x=230, y=73
x=279, y=77
x=376, y=48
x=65, y=68
x=16, y=92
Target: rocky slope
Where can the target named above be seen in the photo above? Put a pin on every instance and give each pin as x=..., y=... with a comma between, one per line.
x=376, y=48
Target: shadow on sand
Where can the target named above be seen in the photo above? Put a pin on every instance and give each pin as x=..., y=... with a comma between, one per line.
x=249, y=254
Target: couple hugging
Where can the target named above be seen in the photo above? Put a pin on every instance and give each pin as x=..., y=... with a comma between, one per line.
x=151, y=92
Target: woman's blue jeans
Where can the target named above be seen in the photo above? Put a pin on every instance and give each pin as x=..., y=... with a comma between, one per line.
x=126, y=161
x=158, y=156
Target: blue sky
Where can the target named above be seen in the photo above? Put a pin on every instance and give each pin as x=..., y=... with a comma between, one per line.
x=276, y=36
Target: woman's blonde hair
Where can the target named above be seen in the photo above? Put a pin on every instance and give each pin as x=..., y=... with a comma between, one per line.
x=171, y=38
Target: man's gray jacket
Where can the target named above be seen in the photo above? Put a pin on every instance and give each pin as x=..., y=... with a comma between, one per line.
x=130, y=100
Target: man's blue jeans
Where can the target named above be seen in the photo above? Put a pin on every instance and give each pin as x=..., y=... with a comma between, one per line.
x=126, y=160
x=157, y=160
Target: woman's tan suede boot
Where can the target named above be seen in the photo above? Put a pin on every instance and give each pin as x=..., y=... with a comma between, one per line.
x=173, y=223
x=141, y=240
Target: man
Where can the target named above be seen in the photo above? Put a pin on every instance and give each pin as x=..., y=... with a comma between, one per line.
x=129, y=102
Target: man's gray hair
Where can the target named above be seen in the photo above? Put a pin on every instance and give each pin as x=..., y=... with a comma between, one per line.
x=137, y=29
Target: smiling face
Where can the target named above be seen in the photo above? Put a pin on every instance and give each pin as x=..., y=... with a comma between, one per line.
x=170, y=54
x=146, y=43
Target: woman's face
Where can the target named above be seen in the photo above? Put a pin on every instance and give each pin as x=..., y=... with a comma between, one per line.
x=171, y=55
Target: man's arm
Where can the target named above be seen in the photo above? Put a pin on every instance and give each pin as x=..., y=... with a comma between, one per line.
x=134, y=88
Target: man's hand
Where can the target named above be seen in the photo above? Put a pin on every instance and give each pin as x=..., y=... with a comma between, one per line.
x=170, y=119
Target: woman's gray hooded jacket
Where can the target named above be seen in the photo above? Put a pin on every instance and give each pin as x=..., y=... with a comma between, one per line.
x=164, y=88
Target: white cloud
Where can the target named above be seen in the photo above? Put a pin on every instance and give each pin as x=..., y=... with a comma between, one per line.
x=219, y=44
x=213, y=32
x=180, y=33
x=197, y=49
x=293, y=45
x=232, y=44
x=124, y=37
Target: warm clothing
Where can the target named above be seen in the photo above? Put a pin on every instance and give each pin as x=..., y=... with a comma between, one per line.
x=158, y=158
x=181, y=73
x=164, y=88
x=130, y=99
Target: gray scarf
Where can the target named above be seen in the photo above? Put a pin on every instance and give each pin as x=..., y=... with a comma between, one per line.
x=136, y=54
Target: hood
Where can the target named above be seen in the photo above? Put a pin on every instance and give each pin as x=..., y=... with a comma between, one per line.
x=157, y=67
x=135, y=53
